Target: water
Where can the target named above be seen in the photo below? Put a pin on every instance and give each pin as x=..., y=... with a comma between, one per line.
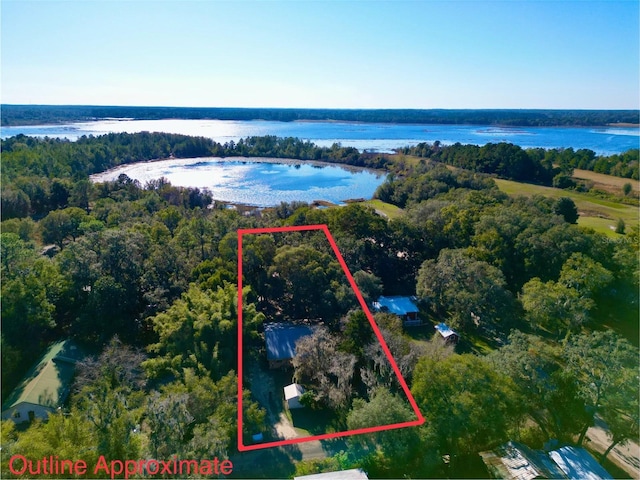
x=258, y=182
x=267, y=184
x=370, y=136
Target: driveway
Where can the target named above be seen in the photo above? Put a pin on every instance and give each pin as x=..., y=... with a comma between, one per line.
x=265, y=389
x=625, y=456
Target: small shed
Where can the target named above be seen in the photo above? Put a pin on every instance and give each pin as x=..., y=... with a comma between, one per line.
x=280, y=339
x=403, y=307
x=292, y=394
x=447, y=334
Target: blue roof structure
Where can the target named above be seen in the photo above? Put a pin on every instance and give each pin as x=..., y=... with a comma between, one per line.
x=281, y=339
x=444, y=330
x=397, y=305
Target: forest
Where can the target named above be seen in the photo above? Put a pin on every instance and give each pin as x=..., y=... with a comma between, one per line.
x=41, y=174
x=43, y=114
x=546, y=309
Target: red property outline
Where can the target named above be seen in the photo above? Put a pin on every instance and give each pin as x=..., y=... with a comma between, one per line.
x=241, y=446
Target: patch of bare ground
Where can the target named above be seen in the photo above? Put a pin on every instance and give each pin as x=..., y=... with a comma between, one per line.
x=608, y=183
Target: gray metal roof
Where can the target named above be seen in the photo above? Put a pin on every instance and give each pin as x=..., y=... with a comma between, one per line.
x=281, y=339
x=353, y=474
x=578, y=464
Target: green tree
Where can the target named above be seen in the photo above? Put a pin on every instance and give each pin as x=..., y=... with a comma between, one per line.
x=546, y=391
x=468, y=406
x=626, y=189
x=357, y=333
x=621, y=413
x=470, y=293
x=555, y=307
x=59, y=225
x=305, y=281
x=370, y=286
x=81, y=194
x=65, y=435
x=566, y=207
x=109, y=395
x=14, y=203
x=399, y=446
x=199, y=331
x=588, y=277
x=605, y=367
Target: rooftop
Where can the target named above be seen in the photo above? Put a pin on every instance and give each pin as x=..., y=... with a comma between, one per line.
x=47, y=383
x=353, y=474
x=444, y=330
x=281, y=339
x=578, y=464
x=293, y=391
x=396, y=305
x=516, y=461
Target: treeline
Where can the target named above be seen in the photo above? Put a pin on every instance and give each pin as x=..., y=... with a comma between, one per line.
x=533, y=165
x=43, y=114
x=43, y=174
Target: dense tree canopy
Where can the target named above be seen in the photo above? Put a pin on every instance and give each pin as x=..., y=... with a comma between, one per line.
x=157, y=266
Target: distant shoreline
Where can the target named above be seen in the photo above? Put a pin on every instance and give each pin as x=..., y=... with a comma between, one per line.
x=24, y=115
x=624, y=125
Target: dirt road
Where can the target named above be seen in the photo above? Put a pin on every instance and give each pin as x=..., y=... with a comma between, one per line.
x=626, y=457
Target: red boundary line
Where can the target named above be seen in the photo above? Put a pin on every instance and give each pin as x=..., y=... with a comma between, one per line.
x=241, y=446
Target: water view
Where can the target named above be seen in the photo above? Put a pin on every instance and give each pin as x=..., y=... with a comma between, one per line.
x=380, y=137
x=256, y=182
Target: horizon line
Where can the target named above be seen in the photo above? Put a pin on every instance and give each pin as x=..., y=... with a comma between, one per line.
x=417, y=109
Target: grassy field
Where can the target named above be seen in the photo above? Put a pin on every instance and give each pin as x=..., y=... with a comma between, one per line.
x=608, y=183
x=597, y=213
x=387, y=209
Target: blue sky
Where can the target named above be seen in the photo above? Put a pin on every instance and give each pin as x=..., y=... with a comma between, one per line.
x=332, y=54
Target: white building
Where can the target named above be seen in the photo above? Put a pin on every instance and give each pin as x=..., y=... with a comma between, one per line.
x=292, y=394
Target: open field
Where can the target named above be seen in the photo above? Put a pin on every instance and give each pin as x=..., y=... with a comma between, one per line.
x=386, y=209
x=608, y=183
x=597, y=213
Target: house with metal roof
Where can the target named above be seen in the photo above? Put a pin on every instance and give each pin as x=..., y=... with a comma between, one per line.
x=578, y=464
x=45, y=386
x=280, y=340
x=403, y=307
x=447, y=334
x=516, y=461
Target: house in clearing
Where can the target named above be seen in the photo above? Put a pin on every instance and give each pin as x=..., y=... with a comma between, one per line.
x=46, y=385
x=448, y=335
x=280, y=339
x=403, y=307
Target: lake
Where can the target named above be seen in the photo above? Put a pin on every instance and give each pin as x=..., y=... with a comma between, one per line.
x=258, y=182
x=363, y=136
